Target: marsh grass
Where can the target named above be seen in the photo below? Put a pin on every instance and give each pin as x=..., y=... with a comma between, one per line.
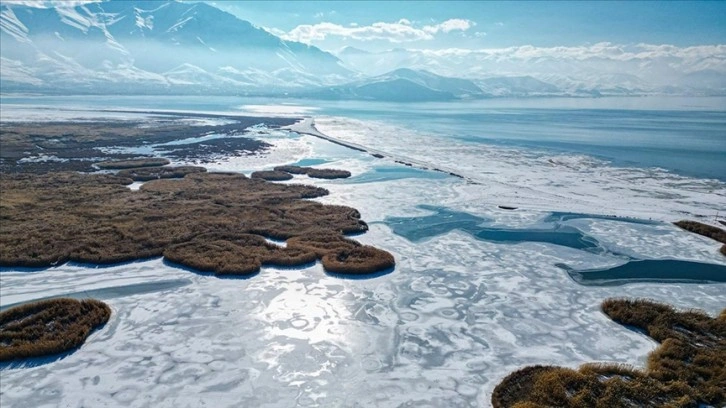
x=686, y=370
x=328, y=173
x=134, y=163
x=212, y=222
x=153, y=173
x=271, y=175
x=358, y=260
x=706, y=230
x=314, y=173
x=49, y=327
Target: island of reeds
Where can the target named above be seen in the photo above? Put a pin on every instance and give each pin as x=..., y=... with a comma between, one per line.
x=213, y=222
x=686, y=370
x=49, y=327
x=706, y=230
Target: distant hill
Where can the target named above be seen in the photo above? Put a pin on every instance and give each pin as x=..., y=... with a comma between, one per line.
x=570, y=71
x=401, y=85
x=152, y=46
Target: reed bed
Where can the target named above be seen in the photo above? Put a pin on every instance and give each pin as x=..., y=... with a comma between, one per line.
x=134, y=163
x=49, y=327
x=212, y=222
x=706, y=230
x=154, y=173
x=314, y=173
x=271, y=175
x=686, y=370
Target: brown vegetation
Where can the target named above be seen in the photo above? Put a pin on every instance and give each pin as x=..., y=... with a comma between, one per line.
x=706, y=230
x=49, y=327
x=328, y=173
x=234, y=254
x=314, y=173
x=272, y=175
x=134, y=163
x=75, y=146
x=201, y=221
x=153, y=173
x=358, y=260
x=322, y=243
x=684, y=371
x=292, y=169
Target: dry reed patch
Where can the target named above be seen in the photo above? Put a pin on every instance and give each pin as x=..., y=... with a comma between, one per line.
x=208, y=221
x=292, y=169
x=328, y=173
x=358, y=260
x=322, y=243
x=685, y=370
x=271, y=175
x=706, y=230
x=49, y=327
x=314, y=173
x=234, y=254
x=153, y=173
x=130, y=164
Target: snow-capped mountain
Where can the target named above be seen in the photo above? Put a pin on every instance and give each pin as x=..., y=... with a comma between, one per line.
x=152, y=46
x=593, y=70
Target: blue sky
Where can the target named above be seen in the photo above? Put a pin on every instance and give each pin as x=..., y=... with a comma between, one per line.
x=469, y=24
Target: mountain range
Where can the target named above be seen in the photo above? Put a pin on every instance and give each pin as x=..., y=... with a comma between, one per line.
x=174, y=47
x=152, y=46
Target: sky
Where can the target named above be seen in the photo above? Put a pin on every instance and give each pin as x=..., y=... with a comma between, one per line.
x=380, y=25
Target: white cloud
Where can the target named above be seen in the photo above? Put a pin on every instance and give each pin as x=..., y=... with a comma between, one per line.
x=454, y=24
x=401, y=31
x=603, y=50
x=50, y=3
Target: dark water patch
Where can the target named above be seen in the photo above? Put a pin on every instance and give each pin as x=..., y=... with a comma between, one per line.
x=310, y=162
x=389, y=173
x=444, y=221
x=561, y=235
x=114, y=291
x=566, y=216
x=650, y=270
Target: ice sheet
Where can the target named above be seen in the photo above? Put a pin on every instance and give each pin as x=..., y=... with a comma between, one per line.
x=456, y=315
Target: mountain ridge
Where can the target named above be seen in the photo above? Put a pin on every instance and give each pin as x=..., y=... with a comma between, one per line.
x=110, y=43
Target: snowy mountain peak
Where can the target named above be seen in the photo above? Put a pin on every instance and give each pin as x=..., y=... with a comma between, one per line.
x=110, y=45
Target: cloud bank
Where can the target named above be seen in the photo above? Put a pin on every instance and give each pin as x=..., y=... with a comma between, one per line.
x=398, y=32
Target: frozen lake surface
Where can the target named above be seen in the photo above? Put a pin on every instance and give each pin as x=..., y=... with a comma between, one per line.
x=478, y=290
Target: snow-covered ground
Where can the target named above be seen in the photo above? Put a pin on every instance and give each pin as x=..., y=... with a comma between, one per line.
x=455, y=316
